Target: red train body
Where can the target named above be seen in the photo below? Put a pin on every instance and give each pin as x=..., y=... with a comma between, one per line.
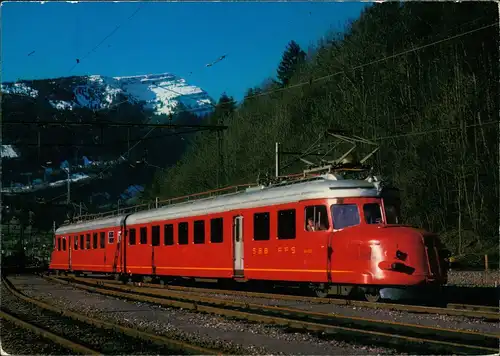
x=328, y=233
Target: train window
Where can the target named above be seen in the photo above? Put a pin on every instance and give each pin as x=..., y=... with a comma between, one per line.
x=216, y=230
x=59, y=244
x=168, y=234
x=82, y=245
x=155, y=235
x=64, y=244
x=131, y=236
x=102, y=239
x=87, y=241
x=372, y=213
x=199, y=232
x=316, y=218
x=94, y=240
x=143, y=235
x=286, y=224
x=111, y=237
x=75, y=242
x=183, y=233
x=261, y=226
x=345, y=215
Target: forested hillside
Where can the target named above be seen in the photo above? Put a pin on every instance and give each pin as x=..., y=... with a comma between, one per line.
x=409, y=76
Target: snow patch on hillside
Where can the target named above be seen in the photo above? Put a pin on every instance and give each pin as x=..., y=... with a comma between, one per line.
x=7, y=151
x=161, y=93
x=20, y=88
x=164, y=92
x=61, y=104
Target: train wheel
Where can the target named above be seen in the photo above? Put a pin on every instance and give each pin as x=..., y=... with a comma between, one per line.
x=320, y=290
x=372, y=296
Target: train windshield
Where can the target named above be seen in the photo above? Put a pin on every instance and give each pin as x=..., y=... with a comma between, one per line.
x=345, y=215
x=373, y=213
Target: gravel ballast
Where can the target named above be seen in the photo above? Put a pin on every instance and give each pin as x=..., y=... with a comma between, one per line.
x=433, y=320
x=203, y=329
x=19, y=341
x=102, y=340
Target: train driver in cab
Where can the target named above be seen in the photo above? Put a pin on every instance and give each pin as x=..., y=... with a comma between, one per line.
x=312, y=226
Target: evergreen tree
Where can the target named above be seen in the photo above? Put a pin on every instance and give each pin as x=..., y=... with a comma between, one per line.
x=225, y=107
x=292, y=57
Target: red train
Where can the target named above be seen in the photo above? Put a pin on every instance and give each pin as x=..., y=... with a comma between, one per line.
x=333, y=235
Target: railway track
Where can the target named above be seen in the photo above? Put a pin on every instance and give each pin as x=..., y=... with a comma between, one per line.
x=368, y=331
x=465, y=310
x=93, y=336
x=476, y=309
x=61, y=341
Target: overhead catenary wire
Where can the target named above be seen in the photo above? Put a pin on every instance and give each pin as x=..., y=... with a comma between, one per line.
x=331, y=75
x=106, y=37
x=415, y=133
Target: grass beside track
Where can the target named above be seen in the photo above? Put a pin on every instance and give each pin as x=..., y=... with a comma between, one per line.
x=399, y=335
x=172, y=346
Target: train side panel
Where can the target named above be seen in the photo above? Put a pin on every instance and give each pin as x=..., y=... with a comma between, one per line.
x=59, y=259
x=205, y=253
x=278, y=248
x=181, y=247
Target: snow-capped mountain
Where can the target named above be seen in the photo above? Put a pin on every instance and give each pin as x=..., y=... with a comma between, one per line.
x=7, y=151
x=161, y=93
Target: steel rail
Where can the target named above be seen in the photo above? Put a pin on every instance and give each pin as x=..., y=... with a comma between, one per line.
x=470, y=311
x=171, y=344
x=367, y=330
x=67, y=344
x=482, y=309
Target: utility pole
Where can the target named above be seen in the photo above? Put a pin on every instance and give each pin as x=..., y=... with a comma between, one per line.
x=277, y=160
x=220, y=170
x=68, y=199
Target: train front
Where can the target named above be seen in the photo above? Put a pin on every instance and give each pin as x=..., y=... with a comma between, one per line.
x=405, y=262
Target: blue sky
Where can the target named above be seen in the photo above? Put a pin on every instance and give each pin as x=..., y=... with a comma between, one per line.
x=180, y=38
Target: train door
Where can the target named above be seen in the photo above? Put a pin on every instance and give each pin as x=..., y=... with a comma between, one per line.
x=70, y=249
x=124, y=236
x=114, y=250
x=238, y=256
x=155, y=242
x=119, y=248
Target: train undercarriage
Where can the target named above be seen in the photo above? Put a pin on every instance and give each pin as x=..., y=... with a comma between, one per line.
x=370, y=293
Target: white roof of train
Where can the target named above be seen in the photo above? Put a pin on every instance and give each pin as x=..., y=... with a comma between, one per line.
x=91, y=225
x=331, y=186
x=327, y=186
